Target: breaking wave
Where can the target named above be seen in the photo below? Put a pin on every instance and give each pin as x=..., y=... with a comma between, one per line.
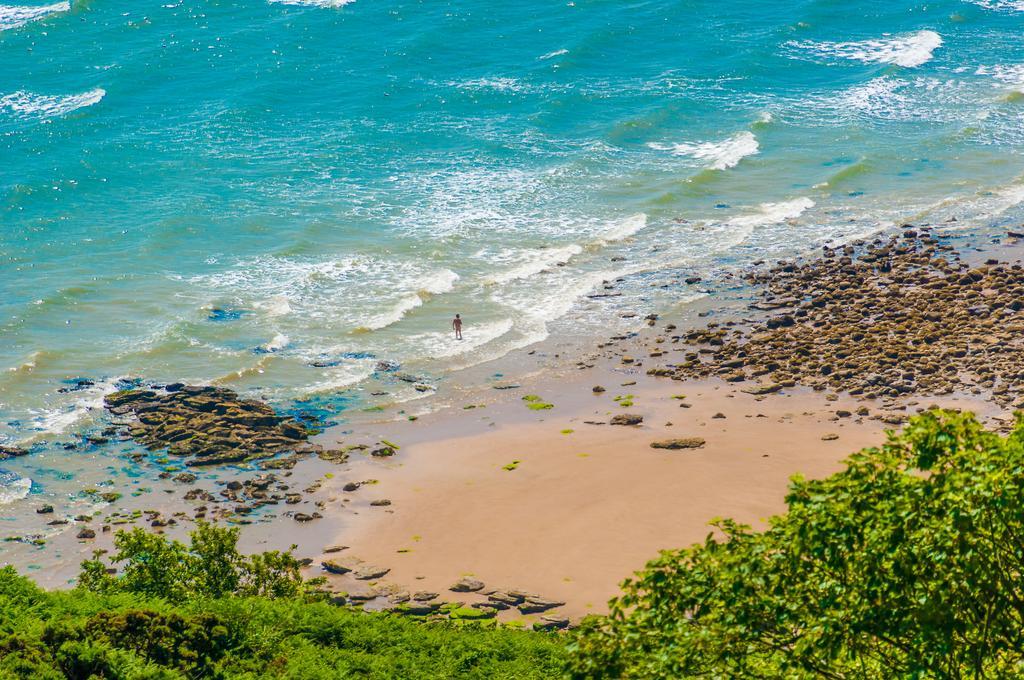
x=16, y=16
x=910, y=50
x=716, y=155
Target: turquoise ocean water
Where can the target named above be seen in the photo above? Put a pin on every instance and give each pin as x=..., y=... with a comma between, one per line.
x=278, y=194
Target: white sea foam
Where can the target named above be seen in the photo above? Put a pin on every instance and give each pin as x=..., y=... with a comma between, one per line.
x=877, y=96
x=738, y=229
x=908, y=50
x=623, y=229
x=279, y=342
x=30, y=364
x=498, y=84
x=1000, y=5
x=16, y=16
x=717, y=155
x=536, y=261
x=88, y=403
x=439, y=345
x=29, y=105
x=355, y=292
x=436, y=283
x=275, y=306
x=13, y=487
x=773, y=213
x=329, y=4
x=257, y=368
x=1011, y=74
x=552, y=55
x=900, y=99
x=341, y=377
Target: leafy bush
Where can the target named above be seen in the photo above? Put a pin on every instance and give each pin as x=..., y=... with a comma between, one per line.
x=210, y=567
x=205, y=611
x=906, y=564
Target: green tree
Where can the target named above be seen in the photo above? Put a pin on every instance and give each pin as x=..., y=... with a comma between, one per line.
x=908, y=563
x=209, y=567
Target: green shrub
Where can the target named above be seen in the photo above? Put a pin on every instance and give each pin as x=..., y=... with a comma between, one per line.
x=204, y=611
x=209, y=567
x=907, y=564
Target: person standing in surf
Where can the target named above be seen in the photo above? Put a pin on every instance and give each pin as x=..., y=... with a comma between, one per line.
x=457, y=325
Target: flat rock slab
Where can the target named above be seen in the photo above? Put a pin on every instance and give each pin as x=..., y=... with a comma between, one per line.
x=551, y=623
x=535, y=605
x=762, y=389
x=207, y=425
x=335, y=567
x=370, y=572
x=682, y=443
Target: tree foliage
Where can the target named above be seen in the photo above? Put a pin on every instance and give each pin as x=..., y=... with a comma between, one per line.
x=209, y=567
x=908, y=563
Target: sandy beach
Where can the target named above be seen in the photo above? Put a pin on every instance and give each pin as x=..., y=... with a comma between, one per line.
x=562, y=503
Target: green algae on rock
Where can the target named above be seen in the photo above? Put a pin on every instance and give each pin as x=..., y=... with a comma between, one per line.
x=207, y=425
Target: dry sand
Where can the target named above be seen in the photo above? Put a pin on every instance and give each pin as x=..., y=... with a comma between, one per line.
x=586, y=505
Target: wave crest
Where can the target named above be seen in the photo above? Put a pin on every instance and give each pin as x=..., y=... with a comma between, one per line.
x=30, y=105
x=327, y=4
x=718, y=155
x=909, y=50
x=16, y=16
x=13, y=487
x=437, y=283
x=536, y=262
x=625, y=228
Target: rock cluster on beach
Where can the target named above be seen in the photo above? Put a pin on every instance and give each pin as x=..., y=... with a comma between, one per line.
x=896, y=316
x=207, y=425
x=482, y=603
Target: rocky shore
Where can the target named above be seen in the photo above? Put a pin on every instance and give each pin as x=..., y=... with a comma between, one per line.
x=207, y=425
x=878, y=320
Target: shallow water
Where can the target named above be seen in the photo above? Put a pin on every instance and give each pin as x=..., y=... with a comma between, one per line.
x=278, y=194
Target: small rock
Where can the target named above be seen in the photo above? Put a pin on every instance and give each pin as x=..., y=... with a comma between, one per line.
x=335, y=567
x=535, y=605
x=551, y=622
x=466, y=585
x=507, y=598
x=364, y=594
x=417, y=608
x=85, y=533
x=424, y=596
x=627, y=419
x=370, y=572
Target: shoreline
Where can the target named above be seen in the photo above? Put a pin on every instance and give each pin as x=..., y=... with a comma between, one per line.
x=483, y=486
